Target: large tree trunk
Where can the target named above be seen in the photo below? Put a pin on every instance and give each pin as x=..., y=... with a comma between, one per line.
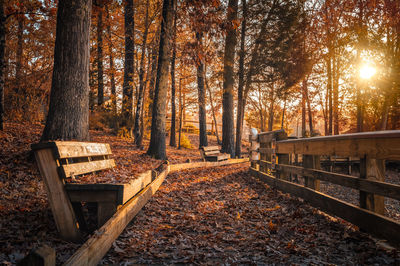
x=100, y=80
x=153, y=73
x=2, y=62
x=228, y=138
x=240, y=102
x=201, y=96
x=127, y=99
x=140, y=99
x=172, y=139
x=112, y=68
x=157, y=140
x=68, y=116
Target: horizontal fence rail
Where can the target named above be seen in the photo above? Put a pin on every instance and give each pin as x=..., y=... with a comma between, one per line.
x=279, y=162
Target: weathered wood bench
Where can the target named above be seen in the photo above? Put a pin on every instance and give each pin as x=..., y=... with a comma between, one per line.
x=213, y=154
x=60, y=160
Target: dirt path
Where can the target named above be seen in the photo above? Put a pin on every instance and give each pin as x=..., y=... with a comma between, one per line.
x=223, y=215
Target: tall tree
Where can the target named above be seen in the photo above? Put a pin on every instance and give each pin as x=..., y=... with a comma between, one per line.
x=172, y=139
x=100, y=79
x=140, y=99
x=240, y=109
x=201, y=93
x=68, y=116
x=127, y=97
x=112, y=68
x=157, y=147
x=228, y=143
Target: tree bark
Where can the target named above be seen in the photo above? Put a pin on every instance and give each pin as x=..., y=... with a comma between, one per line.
x=2, y=62
x=157, y=147
x=127, y=99
x=228, y=138
x=240, y=103
x=172, y=139
x=112, y=68
x=201, y=96
x=100, y=79
x=140, y=99
x=68, y=116
x=153, y=73
x=212, y=109
x=271, y=110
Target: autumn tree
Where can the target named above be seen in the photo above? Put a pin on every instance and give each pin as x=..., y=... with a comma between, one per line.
x=127, y=97
x=2, y=62
x=157, y=147
x=69, y=100
x=228, y=137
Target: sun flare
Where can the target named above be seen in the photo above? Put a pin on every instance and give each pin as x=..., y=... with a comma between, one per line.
x=367, y=71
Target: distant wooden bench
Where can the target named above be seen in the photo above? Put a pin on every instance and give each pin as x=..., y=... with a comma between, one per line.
x=213, y=154
x=60, y=160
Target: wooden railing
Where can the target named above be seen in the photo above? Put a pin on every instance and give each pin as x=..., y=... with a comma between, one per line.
x=279, y=159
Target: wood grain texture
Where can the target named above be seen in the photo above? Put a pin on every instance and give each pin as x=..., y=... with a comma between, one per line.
x=378, y=145
x=372, y=169
x=371, y=186
x=60, y=204
x=183, y=166
x=367, y=220
x=210, y=148
x=97, y=246
x=74, y=149
x=68, y=170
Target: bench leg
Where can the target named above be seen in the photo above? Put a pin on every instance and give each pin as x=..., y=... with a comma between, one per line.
x=104, y=212
x=77, y=206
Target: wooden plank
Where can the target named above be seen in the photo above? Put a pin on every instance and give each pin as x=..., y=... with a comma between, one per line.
x=44, y=256
x=136, y=185
x=60, y=204
x=97, y=246
x=75, y=149
x=371, y=186
x=372, y=169
x=210, y=148
x=266, y=137
x=207, y=153
x=69, y=170
x=379, y=145
x=82, y=195
x=367, y=220
x=184, y=166
x=218, y=157
x=266, y=150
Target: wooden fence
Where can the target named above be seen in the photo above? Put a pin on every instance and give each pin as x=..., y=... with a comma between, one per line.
x=279, y=159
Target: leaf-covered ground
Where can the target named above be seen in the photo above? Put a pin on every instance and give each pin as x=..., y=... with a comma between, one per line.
x=208, y=216
x=224, y=216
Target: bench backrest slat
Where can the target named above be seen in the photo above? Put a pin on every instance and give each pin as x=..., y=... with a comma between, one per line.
x=210, y=148
x=74, y=149
x=69, y=170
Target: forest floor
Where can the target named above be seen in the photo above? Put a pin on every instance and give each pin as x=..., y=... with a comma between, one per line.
x=208, y=216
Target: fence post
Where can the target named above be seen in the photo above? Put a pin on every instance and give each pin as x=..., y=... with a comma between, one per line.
x=372, y=169
x=254, y=153
x=282, y=158
x=311, y=161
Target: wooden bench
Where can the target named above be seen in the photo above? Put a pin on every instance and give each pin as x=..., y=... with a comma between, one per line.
x=60, y=160
x=213, y=154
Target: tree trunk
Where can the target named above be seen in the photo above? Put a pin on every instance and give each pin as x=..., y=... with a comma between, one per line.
x=201, y=96
x=172, y=139
x=310, y=119
x=140, y=99
x=68, y=116
x=213, y=110
x=240, y=103
x=19, y=93
x=335, y=95
x=271, y=111
x=303, y=109
x=112, y=68
x=127, y=98
x=157, y=140
x=283, y=111
x=180, y=113
x=100, y=80
x=2, y=62
x=329, y=90
x=153, y=73
x=228, y=138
